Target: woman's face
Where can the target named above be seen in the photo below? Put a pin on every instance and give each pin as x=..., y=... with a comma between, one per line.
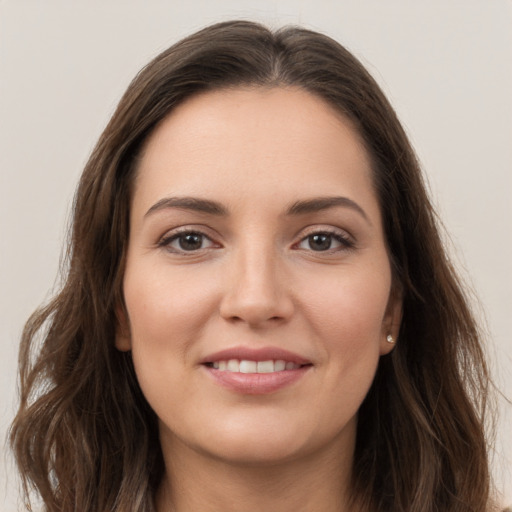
x=257, y=283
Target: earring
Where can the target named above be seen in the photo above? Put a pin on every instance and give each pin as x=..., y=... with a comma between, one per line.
x=390, y=339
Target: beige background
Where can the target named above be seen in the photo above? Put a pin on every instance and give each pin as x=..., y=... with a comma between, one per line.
x=445, y=64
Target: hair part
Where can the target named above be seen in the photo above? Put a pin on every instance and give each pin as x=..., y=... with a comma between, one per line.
x=86, y=439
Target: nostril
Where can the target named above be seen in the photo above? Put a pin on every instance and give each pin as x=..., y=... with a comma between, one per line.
x=255, y=301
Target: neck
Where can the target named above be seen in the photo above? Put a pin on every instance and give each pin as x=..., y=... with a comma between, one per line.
x=196, y=481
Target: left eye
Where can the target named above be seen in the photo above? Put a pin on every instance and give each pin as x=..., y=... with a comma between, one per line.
x=323, y=242
x=187, y=241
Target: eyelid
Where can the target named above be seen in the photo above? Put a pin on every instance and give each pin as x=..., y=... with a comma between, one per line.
x=346, y=240
x=173, y=234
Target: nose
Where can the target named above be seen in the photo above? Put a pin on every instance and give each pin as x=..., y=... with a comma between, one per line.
x=257, y=291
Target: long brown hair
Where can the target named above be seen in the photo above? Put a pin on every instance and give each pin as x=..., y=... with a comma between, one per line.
x=85, y=437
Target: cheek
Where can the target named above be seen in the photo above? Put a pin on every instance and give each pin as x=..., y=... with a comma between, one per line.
x=346, y=315
x=167, y=305
x=348, y=309
x=168, y=308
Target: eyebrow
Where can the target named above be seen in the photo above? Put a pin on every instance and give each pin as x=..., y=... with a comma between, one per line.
x=188, y=203
x=210, y=207
x=319, y=204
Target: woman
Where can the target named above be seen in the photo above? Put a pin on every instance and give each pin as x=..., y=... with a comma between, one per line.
x=258, y=312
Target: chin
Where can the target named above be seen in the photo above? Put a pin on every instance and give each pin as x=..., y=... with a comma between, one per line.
x=265, y=450
x=254, y=442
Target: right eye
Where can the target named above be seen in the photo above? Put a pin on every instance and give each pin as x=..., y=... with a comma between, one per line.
x=186, y=241
x=328, y=241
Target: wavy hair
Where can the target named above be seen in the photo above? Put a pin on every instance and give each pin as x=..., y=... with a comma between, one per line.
x=85, y=438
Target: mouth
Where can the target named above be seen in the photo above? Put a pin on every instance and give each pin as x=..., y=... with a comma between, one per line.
x=255, y=371
x=250, y=366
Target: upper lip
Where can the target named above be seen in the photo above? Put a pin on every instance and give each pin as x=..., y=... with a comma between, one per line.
x=255, y=354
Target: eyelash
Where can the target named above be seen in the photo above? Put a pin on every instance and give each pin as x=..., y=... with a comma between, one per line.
x=166, y=241
x=345, y=242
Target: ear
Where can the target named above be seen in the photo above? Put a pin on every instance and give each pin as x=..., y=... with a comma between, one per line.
x=392, y=320
x=123, y=341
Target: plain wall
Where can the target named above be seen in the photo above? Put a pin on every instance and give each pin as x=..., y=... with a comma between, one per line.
x=446, y=66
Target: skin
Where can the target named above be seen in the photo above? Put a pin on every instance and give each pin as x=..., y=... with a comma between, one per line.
x=256, y=281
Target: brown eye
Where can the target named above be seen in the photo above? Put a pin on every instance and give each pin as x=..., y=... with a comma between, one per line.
x=320, y=242
x=186, y=241
x=323, y=241
x=190, y=241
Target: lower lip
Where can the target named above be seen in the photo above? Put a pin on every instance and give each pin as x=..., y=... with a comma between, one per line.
x=257, y=383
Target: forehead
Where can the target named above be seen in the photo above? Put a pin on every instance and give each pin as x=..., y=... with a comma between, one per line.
x=250, y=141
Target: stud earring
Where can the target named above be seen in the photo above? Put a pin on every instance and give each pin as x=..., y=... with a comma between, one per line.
x=390, y=339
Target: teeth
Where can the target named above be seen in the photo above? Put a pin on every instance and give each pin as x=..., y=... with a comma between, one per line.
x=279, y=365
x=265, y=366
x=233, y=365
x=247, y=366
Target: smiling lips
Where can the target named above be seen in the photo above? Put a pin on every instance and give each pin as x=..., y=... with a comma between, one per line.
x=247, y=366
x=255, y=371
